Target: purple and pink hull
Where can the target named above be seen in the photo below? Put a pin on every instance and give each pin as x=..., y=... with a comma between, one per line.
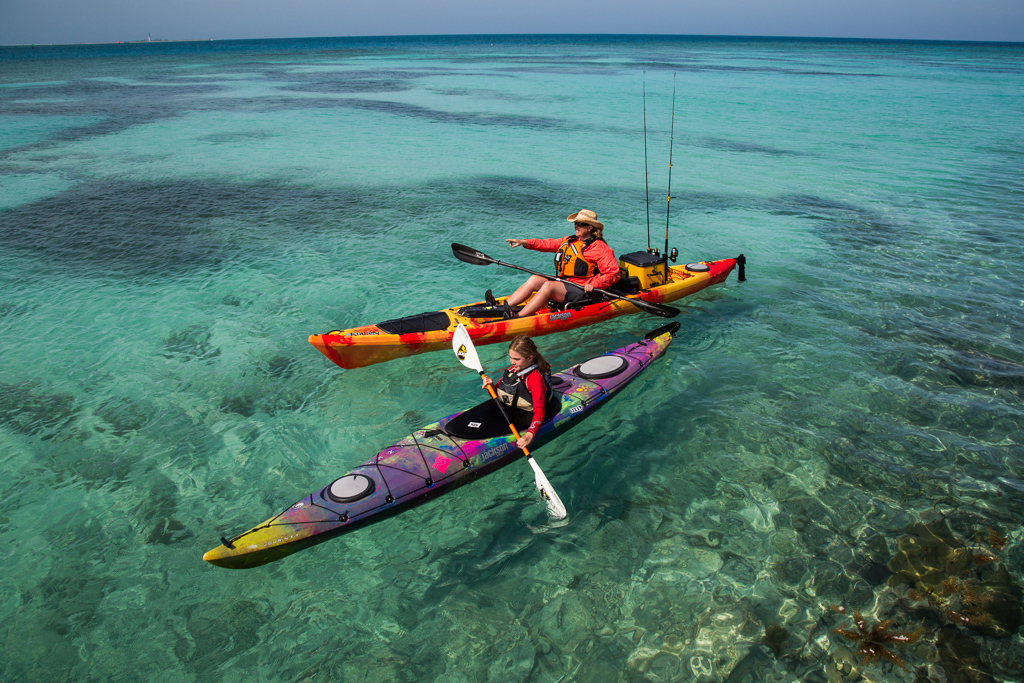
x=431, y=462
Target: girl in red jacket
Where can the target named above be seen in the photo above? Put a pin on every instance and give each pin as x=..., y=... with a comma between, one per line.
x=525, y=384
x=584, y=258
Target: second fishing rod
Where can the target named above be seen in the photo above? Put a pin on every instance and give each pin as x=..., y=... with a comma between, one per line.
x=668, y=206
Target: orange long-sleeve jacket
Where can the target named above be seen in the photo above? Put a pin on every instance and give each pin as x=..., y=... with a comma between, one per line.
x=598, y=251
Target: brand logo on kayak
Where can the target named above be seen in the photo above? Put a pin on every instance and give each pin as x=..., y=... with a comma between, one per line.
x=576, y=409
x=363, y=334
x=492, y=453
x=565, y=315
x=461, y=352
x=276, y=541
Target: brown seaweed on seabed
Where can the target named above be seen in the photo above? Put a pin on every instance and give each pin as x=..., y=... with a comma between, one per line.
x=873, y=641
x=966, y=586
x=958, y=601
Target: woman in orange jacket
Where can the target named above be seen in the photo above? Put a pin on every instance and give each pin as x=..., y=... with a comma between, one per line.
x=583, y=258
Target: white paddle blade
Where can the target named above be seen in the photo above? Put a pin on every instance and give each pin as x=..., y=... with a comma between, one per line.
x=464, y=350
x=547, y=492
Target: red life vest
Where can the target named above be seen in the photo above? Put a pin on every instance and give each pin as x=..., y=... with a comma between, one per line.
x=569, y=259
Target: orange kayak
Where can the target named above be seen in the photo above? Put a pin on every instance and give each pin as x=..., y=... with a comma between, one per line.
x=433, y=331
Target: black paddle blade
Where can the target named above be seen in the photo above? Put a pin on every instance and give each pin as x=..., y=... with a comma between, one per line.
x=470, y=255
x=671, y=328
x=654, y=309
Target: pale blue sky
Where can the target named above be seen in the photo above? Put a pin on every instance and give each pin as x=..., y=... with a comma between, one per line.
x=90, y=21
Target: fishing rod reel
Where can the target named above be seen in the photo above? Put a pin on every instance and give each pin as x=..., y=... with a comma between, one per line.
x=672, y=255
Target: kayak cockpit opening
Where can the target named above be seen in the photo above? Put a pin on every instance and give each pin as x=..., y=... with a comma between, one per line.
x=485, y=421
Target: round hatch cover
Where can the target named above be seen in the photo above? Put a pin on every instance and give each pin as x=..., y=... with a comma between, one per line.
x=350, y=488
x=601, y=367
x=698, y=267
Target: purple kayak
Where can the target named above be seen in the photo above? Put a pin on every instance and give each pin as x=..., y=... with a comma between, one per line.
x=436, y=459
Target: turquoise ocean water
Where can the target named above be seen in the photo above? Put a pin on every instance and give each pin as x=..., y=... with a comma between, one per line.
x=843, y=429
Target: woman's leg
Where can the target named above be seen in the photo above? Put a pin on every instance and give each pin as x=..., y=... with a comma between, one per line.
x=526, y=289
x=549, y=290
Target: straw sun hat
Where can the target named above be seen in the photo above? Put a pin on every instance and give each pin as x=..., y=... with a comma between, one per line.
x=585, y=216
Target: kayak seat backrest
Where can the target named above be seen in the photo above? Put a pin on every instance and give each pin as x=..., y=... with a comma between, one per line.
x=558, y=382
x=625, y=285
x=423, y=322
x=585, y=300
x=485, y=421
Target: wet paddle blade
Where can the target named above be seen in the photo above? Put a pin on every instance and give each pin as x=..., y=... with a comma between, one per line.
x=464, y=350
x=555, y=507
x=471, y=255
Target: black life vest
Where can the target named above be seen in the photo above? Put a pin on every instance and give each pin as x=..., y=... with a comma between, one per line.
x=569, y=260
x=512, y=390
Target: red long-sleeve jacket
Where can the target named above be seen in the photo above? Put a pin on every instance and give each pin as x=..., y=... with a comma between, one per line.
x=538, y=395
x=598, y=252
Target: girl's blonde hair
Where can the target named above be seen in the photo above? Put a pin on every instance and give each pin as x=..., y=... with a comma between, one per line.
x=525, y=347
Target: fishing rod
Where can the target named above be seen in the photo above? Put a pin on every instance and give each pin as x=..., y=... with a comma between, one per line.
x=647, y=187
x=671, y=138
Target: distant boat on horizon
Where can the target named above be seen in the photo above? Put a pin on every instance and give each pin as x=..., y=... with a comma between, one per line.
x=149, y=39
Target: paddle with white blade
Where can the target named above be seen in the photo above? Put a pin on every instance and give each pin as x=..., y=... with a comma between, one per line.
x=464, y=350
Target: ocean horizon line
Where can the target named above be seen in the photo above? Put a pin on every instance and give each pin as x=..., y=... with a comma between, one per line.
x=584, y=37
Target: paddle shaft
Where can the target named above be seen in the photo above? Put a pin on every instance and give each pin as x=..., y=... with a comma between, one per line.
x=656, y=309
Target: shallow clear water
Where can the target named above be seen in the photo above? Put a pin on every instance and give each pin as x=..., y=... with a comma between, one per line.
x=177, y=218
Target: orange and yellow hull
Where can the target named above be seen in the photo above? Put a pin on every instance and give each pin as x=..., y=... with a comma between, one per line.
x=361, y=346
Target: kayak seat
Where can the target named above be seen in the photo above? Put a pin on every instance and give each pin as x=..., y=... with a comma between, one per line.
x=485, y=421
x=584, y=300
x=626, y=285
